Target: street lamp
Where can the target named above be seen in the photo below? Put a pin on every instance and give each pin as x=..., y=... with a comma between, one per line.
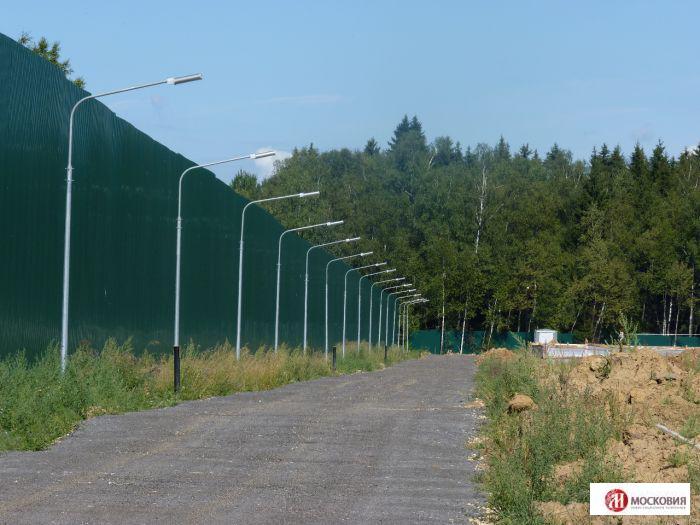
x=371, y=291
x=361, y=254
x=393, y=317
x=279, y=268
x=386, y=319
x=359, y=301
x=409, y=303
x=379, y=322
x=69, y=195
x=176, y=338
x=371, y=302
x=408, y=297
x=393, y=320
x=306, y=279
x=379, y=329
x=399, y=298
x=240, y=259
x=345, y=293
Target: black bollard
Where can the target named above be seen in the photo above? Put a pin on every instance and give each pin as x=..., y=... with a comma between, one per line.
x=385, y=353
x=334, y=358
x=176, y=368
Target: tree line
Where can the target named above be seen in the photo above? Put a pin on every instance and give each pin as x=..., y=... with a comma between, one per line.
x=511, y=240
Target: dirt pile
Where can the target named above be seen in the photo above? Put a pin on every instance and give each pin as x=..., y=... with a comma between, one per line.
x=688, y=360
x=649, y=387
x=520, y=402
x=496, y=353
x=643, y=388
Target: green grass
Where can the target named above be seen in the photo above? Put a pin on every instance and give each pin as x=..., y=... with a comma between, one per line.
x=691, y=428
x=38, y=404
x=694, y=473
x=522, y=450
x=679, y=458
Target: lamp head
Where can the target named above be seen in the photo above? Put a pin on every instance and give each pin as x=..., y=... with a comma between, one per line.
x=334, y=223
x=309, y=194
x=262, y=154
x=174, y=81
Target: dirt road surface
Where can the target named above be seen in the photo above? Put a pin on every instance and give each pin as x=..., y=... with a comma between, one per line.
x=380, y=447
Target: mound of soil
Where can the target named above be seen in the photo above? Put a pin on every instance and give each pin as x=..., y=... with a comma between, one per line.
x=644, y=388
x=652, y=388
x=688, y=360
x=497, y=353
x=520, y=402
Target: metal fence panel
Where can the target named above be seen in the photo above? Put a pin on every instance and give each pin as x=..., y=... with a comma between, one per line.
x=124, y=212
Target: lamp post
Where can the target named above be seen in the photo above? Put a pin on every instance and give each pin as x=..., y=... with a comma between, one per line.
x=279, y=268
x=402, y=323
x=409, y=303
x=178, y=246
x=306, y=279
x=69, y=199
x=400, y=298
x=393, y=317
x=328, y=264
x=240, y=258
x=345, y=293
x=398, y=290
x=371, y=292
x=405, y=316
x=393, y=320
x=386, y=319
x=359, y=301
x=379, y=323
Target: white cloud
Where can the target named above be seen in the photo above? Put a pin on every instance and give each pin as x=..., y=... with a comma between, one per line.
x=265, y=167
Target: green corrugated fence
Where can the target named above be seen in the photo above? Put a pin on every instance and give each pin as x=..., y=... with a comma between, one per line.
x=667, y=340
x=475, y=341
x=123, y=236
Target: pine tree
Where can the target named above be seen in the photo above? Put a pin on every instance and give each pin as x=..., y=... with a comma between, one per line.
x=502, y=149
x=660, y=169
x=371, y=148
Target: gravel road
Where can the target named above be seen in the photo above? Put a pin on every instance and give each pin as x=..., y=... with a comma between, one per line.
x=380, y=447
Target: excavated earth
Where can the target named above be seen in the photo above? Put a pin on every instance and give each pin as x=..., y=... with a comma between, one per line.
x=647, y=389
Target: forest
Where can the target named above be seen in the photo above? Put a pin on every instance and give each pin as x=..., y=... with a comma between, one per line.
x=504, y=239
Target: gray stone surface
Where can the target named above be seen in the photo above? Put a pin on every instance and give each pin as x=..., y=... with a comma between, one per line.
x=381, y=447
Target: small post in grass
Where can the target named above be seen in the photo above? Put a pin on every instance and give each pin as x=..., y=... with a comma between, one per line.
x=176, y=368
x=334, y=359
x=385, y=353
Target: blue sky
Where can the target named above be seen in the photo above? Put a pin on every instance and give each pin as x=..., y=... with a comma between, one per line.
x=285, y=74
